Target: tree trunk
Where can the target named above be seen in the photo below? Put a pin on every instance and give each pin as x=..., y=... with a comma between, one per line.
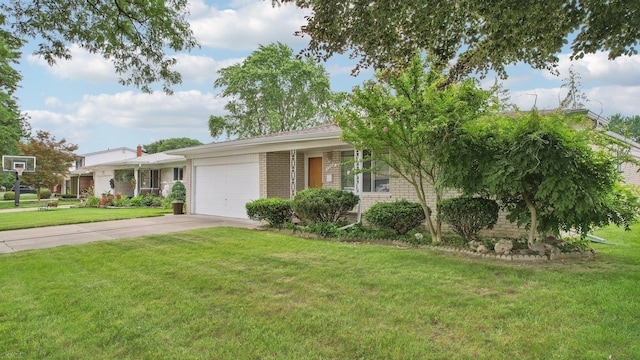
x=534, y=220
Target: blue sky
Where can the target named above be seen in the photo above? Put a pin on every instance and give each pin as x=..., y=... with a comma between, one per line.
x=80, y=100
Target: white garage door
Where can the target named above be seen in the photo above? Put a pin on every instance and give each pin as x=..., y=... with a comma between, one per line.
x=224, y=190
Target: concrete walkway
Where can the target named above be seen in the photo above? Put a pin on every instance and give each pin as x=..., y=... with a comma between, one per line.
x=52, y=236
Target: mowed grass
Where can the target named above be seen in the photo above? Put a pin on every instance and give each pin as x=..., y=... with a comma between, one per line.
x=31, y=219
x=34, y=203
x=225, y=293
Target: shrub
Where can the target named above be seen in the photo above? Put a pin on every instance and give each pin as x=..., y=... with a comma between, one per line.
x=401, y=216
x=120, y=201
x=91, y=201
x=152, y=201
x=52, y=203
x=68, y=196
x=323, y=205
x=137, y=201
x=45, y=193
x=9, y=195
x=178, y=191
x=324, y=229
x=275, y=211
x=468, y=215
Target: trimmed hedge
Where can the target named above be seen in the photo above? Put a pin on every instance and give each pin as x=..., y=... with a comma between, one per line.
x=468, y=215
x=401, y=216
x=9, y=195
x=323, y=205
x=275, y=211
x=45, y=193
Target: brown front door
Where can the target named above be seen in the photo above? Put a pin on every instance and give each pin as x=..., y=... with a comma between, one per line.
x=315, y=172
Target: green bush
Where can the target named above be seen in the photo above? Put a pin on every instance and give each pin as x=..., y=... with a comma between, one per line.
x=178, y=191
x=91, y=201
x=152, y=201
x=137, y=201
x=468, y=215
x=120, y=202
x=9, y=195
x=45, y=193
x=324, y=229
x=68, y=196
x=323, y=205
x=401, y=216
x=275, y=211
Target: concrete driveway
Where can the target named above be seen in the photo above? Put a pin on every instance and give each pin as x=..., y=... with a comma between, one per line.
x=52, y=236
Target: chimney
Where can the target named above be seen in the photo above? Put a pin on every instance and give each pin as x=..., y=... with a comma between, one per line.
x=139, y=151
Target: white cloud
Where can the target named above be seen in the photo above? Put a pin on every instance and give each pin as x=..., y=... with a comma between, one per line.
x=85, y=66
x=138, y=115
x=201, y=69
x=251, y=24
x=598, y=68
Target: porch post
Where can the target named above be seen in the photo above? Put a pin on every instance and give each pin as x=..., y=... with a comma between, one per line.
x=78, y=189
x=293, y=157
x=358, y=181
x=136, y=177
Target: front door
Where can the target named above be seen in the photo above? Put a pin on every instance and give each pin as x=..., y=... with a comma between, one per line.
x=315, y=172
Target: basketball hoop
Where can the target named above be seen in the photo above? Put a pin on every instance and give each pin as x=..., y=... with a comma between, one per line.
x=19, y=170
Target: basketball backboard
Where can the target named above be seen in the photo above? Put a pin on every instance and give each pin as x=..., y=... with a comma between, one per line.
x=12, y=162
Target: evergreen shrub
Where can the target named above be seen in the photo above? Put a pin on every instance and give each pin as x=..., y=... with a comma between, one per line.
x=323, y=205
x=467, y=215
x=275, y=211
x=401, y=216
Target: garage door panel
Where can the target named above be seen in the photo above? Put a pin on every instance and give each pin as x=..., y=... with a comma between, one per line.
x=224, y=190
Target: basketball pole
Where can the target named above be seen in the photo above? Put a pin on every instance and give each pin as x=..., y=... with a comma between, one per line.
x=17, y=185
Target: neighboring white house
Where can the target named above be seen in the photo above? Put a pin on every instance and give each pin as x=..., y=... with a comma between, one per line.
x=81, y=175
x=131, y=172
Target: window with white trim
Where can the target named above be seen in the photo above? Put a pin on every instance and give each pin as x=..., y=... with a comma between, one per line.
x=376, y=180
x=178, y=173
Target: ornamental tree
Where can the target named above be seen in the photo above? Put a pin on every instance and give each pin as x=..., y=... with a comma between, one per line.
x=410, y=116
x=472, y=35
x=53, y=159
x=273, y=91
x=550, y=172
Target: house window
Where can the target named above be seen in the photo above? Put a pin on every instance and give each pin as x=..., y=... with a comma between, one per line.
x=149, y=179
x=377, y=180
x=178, y=173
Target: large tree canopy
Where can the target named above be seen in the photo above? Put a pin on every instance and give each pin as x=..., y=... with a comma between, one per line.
x=481, y=35
x=272, y=91
x=170, y=144
x=13, y=124
x=134, y=35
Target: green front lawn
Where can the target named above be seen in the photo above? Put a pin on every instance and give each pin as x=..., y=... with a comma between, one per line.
x=31, y=219
x=26, y=203
x=225, y=293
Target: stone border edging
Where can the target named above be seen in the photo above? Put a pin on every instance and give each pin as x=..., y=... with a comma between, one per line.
x=550, y=257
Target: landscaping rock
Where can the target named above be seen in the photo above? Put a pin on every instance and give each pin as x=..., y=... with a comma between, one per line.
x=474, y=244
x=503, y=246
x=482, y=249
x=539, y=248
